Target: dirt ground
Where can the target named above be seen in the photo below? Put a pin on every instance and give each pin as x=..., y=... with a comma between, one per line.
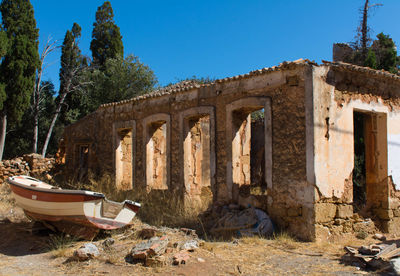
x=27, y=249
x=35, y=251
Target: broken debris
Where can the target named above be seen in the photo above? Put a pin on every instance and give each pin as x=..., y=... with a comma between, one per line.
x=376, y=256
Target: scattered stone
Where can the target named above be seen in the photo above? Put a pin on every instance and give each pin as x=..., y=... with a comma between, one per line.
x=181, y=257
x=147, y=233
x=201, y=260
x=108, y=242
x=154, y=246
x=86, y=252
x=156, y=261
x=189, y=232
x=379, y=237
x=190, y=245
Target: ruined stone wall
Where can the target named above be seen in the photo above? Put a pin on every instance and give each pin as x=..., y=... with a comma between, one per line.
x=29, y=164
x=338, y=93
x=284, y=193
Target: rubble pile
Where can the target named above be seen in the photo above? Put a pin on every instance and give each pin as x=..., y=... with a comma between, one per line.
x=164, y=247
x=382, y=257
x=29, y=164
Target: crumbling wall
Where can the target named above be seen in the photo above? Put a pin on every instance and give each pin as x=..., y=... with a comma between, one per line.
x=308, y=147
x=29, y=164
x=338, y=93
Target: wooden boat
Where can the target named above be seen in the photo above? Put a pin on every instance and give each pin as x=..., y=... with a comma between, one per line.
x=76, y=212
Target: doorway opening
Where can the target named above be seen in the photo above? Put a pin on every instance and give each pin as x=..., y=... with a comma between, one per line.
x=359, y=172
x=124, y=167
x=197, y=154
x=370, y=183
x=248, y=151
x=156, y=156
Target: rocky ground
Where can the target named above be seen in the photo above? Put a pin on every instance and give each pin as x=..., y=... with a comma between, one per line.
x=141, y=249
x=28, y=249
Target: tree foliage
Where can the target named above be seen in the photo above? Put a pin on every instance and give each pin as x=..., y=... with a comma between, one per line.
x=120, y=79
x=377, y=54
x=18, y=66
x=3, y=51
x=70, y=75
x=21, y=60
x=20, y=135
x=106, y=37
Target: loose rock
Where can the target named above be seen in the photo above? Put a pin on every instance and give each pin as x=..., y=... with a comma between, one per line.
x=181, y=257
x=86, y=252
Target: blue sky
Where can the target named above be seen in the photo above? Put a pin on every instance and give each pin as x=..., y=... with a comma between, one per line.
x=217, y=39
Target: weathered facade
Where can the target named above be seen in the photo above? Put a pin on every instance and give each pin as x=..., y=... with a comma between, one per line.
x=280, y=139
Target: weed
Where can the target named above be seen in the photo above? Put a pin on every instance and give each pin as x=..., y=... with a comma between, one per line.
x=285, y=239
x=60, y=244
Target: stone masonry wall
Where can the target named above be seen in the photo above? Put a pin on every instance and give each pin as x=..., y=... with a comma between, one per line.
x=284, y=86
x=345, y=89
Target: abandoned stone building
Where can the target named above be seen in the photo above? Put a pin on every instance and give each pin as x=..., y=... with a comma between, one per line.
x=282, y=139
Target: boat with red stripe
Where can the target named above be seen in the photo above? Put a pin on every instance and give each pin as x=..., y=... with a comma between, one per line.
x=77, y=212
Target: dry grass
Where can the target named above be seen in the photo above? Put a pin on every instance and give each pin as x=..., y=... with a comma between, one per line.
x=60, y=245
x=159, y=207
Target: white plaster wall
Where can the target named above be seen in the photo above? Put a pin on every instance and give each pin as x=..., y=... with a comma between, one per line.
x=334, y=157
x=394, y=147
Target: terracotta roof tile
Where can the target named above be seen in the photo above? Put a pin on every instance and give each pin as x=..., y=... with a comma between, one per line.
x=342, y=66
x=189, y=85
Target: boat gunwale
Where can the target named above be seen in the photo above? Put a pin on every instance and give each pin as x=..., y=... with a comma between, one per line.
x=11, y=181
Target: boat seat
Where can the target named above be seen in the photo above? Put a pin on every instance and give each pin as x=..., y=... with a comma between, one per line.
x=111, y=209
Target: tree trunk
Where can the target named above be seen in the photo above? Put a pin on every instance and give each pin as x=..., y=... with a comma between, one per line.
x=3, y=134
x=53, y=123
x=35, y=130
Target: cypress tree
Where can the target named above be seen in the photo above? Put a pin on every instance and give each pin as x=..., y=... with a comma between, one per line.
x=70, y=54
x=3, y=51
x=18, y=68
x=106, y=38
x=71, y=67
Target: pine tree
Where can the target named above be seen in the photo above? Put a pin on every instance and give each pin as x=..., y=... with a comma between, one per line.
x=70, y=71
x=106, y=37
x=370, y=61
x=18, y=68
x=386, y=53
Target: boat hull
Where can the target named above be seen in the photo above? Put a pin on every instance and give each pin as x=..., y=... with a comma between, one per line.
x=66, y=209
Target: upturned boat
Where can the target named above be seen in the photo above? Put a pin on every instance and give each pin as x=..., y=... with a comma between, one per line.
x=76, y=212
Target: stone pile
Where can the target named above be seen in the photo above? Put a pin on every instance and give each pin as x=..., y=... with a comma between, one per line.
x=160, y=250
x=29, y=164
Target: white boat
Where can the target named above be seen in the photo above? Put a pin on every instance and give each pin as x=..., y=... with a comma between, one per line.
x=69, y=210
